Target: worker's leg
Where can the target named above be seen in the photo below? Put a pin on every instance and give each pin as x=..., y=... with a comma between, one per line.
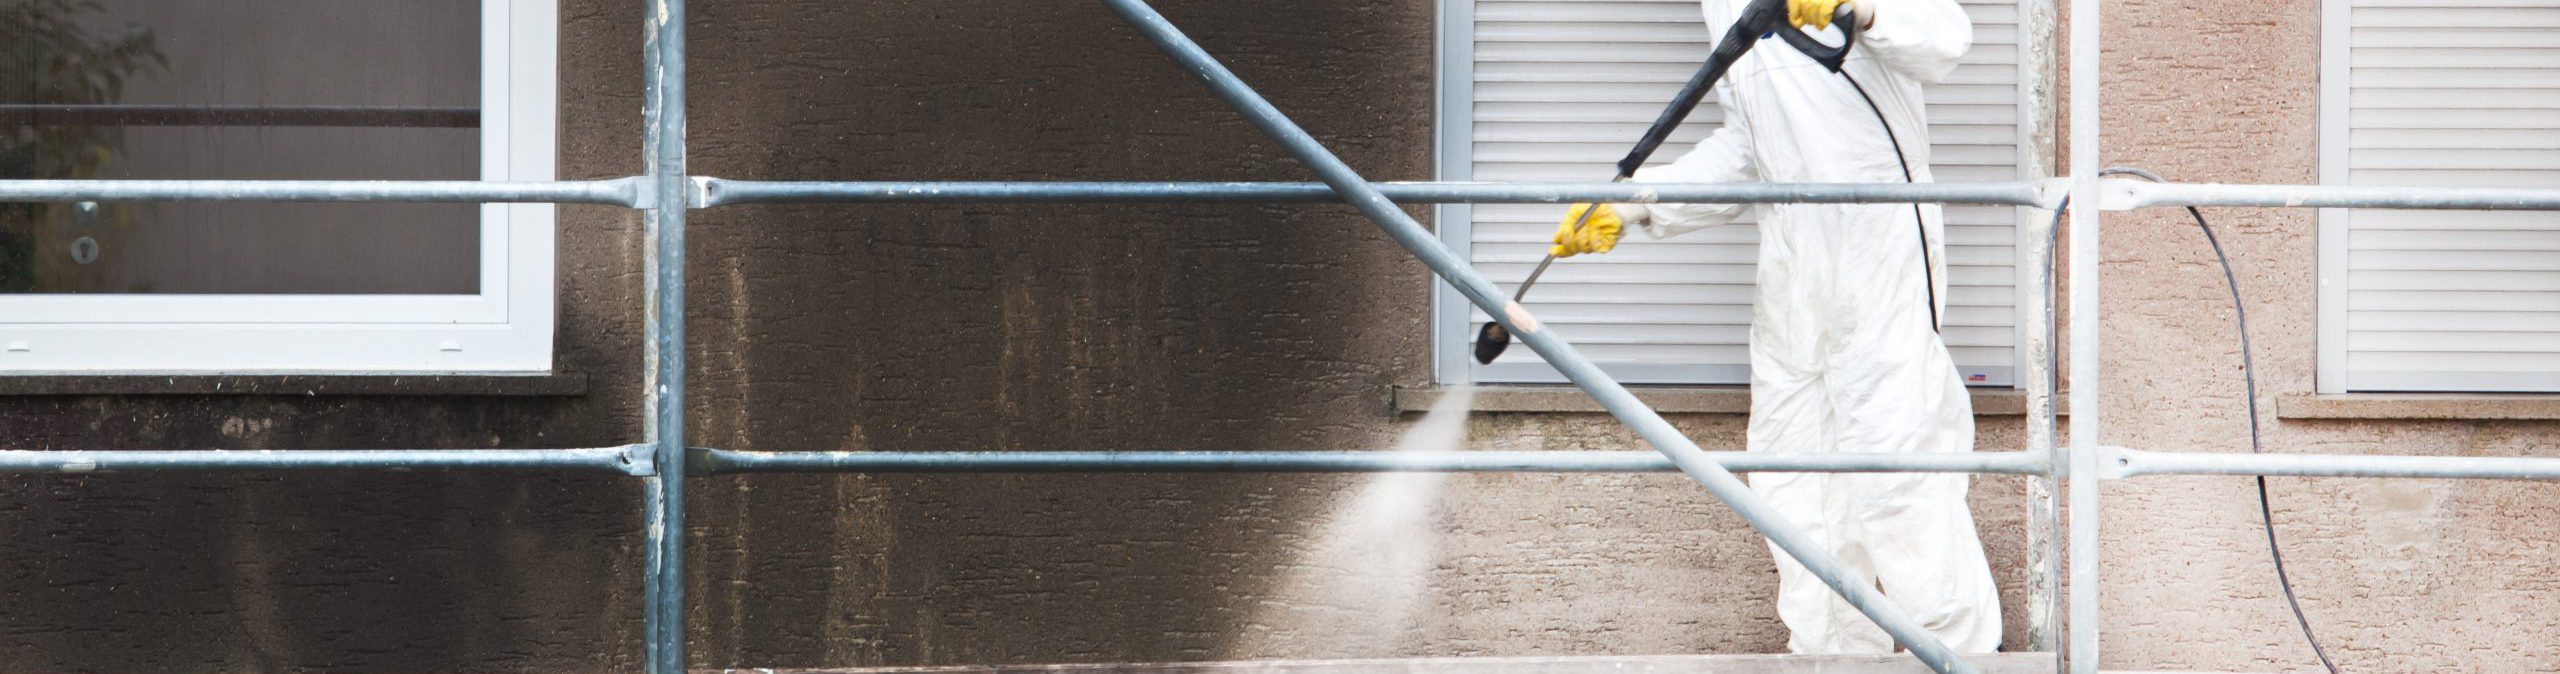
x=1818, y=621
x=1927, y=554
x=1790, y=413
x=1894, y=388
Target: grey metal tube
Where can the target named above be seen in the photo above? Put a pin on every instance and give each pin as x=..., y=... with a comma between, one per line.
x=2129, y=194
x=119, y=114
x=2080, y=648
x=715, y=192
x=663, y=152
x=616, y=192
x=627, y=460
x=2044, y=509
x=1859, y=592
x=2124, y=463
x=723, y=461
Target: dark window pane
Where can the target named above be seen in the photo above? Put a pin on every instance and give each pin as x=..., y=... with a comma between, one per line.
x=240, y=89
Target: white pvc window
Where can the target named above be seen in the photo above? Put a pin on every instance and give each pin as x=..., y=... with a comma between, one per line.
x=474, y=294
x=2431, y=93
x=1557, y=90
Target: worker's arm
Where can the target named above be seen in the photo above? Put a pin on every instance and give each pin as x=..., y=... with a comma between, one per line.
x=1922, y=39
x=1724, y=157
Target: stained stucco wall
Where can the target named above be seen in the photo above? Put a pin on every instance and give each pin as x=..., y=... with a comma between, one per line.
x=1189, y=327
x=1026, y=327
x=1089, y=327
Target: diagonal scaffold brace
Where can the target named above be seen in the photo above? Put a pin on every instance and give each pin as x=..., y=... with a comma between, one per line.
x=1858, y=591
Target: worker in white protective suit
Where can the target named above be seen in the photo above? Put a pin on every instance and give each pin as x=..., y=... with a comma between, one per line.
x=1845, y=355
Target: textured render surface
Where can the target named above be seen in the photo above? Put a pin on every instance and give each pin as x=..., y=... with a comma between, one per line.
x=1664, y=399
x=1081, y=327
x=1648, y=539
x=2439, y=406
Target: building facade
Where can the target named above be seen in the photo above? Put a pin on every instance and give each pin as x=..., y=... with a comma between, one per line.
x=1091, y=327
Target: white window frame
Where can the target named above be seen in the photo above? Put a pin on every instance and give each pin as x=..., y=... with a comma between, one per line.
x=2330, y=308
x=505, y=329
x=2331, y=375
x=1453, y=88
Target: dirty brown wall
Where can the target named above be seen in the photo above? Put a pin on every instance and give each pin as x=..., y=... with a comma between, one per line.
x=955, y=327
x=1086, y=327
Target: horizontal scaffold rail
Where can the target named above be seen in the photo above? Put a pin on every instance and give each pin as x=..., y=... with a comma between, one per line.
x=708, y=192
x=625, y=460
x=2124, y=463
x=719, y=461
x=716, y=192
x=636, y=460
x=2119, y=195
x=39, y=114
x=624, y=192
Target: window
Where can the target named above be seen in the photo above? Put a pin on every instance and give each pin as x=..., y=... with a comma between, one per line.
x=305, y=89
x=1556, y=90
x=2421, y=93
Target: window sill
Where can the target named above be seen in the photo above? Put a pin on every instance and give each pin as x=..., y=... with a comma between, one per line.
x=2438, y=406
x=532, y=385
x=1987, y=402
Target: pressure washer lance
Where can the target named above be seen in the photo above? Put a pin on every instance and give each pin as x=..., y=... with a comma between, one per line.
x=1759, y=20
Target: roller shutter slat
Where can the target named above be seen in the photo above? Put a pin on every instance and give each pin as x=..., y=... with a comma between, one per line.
x=1562, y=87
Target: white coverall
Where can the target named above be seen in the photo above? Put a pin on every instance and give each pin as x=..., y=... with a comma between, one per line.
x=1843, y=356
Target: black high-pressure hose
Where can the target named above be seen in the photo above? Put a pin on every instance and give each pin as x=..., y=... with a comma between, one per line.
x=2249, y=376
x=2240, y=314
x=1759, y=20
x=1920, y=223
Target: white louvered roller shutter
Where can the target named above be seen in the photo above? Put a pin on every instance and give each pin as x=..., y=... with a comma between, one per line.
x=2447, y=93
x=1560, y=89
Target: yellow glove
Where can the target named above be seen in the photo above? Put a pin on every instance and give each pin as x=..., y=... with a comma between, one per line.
x=1815, y=12
x=1598, y=235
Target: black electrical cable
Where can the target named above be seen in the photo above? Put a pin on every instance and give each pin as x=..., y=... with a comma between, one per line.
x=1920, y=223
x=2248, y=375
x=2266, y=512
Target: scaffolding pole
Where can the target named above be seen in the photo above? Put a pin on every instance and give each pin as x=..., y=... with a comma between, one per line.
x=625, y=460
x=1858, y=591
x=663, y=152
x=2117, y=194
x=2080, y=650
x=727, y=462
x=117, y=114
x=639, y=460
x=2044, y=510
x=2124, y=463
x=639, y=192
x=626, y=192
x=718, y=192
